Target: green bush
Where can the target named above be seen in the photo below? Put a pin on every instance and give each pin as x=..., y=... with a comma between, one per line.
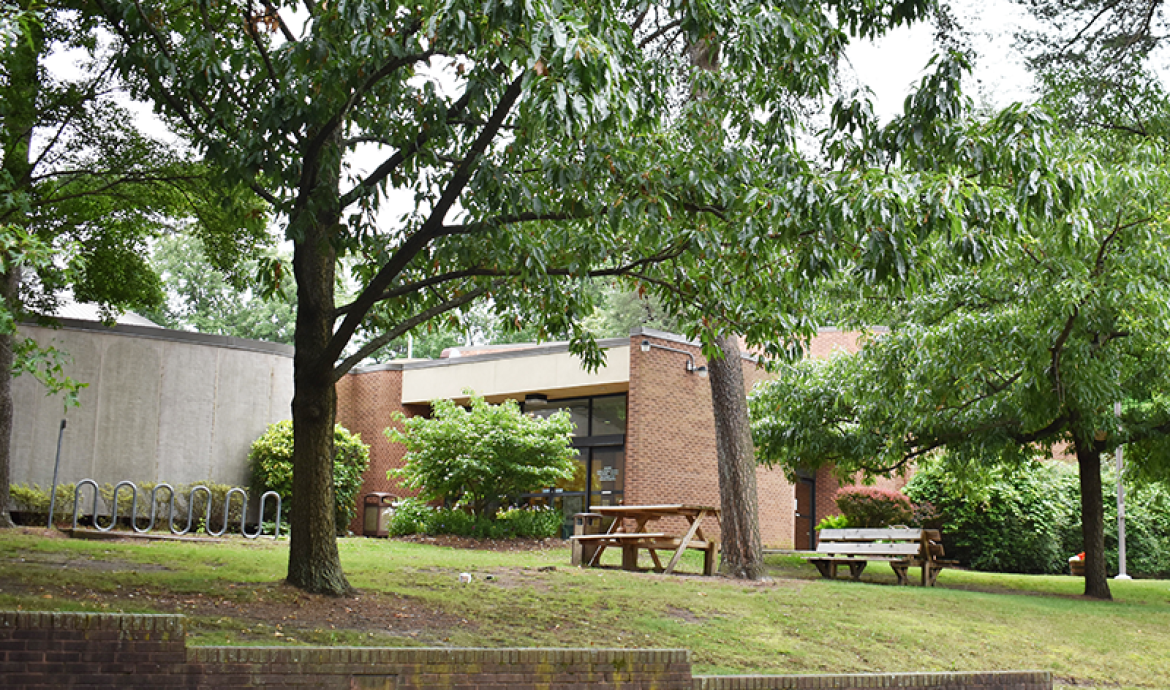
x=1021, y=520
x=479, y=457
x=538, y=522
x=833, y=522
x=868, y=506
x=414, y=516
x=1147, y=529
x=271, y=464
x=34, y=499
x=411, y=516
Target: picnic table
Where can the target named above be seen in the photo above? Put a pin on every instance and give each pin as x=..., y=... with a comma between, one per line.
x=633, y=539
x=901, y=547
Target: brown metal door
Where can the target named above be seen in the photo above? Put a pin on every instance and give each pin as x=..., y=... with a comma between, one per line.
x=805, y=514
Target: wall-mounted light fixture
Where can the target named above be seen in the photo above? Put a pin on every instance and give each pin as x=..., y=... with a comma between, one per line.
x=691, y=368
x=535, y=400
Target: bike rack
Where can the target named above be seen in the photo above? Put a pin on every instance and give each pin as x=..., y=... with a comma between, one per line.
x=207, y=523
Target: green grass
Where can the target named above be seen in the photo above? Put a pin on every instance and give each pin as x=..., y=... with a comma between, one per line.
x=410, y=594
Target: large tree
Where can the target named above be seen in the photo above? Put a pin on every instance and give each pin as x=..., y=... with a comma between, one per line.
x=199, y=296
x=541, y=143
x=81, y=192
x=1098, y=64
x=1025, y=351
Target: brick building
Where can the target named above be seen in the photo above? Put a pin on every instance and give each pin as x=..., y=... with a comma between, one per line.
x=645, y=427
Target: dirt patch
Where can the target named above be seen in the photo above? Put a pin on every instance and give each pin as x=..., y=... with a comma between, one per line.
x=684, y=615
x=86, y=563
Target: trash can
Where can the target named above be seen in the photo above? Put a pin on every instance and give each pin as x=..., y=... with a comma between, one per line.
x=585, y=523
x=379, y=506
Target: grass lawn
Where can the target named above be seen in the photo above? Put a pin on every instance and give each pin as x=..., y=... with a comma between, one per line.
x=410, y=595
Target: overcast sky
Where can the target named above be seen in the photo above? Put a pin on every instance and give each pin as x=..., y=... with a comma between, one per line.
x=892, y=65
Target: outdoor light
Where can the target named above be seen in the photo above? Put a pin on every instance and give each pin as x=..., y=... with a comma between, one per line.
x=690, y=365
x=535, y=400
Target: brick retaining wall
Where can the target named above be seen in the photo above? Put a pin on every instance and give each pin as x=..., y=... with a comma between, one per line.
x=99, y=651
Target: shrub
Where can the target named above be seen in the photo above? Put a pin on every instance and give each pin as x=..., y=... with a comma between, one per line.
x=833, y=522
x=539, y=522
x=1147, y=529
x=413, y=516
x=480, y=456
x=867, y=506
x=271, y=464
x=34, y=499
x=1022, y=519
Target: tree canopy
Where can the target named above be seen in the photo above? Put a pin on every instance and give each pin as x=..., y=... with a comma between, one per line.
x=82, y=190
x=1026, y=351
x=542, y=143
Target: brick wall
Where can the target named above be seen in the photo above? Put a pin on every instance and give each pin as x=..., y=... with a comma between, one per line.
x=61, y=650
x=670, y=439
x=108, y=651
x=366, y=403
x=670, y=442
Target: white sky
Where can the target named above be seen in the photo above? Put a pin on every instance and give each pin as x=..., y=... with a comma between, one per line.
x=892, y=65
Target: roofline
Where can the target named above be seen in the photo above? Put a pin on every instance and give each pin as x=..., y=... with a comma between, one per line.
x=536, y=350
x=167, y=334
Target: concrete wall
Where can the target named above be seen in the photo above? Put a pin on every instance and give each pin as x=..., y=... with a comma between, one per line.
x=160, y=405
x=98, y=651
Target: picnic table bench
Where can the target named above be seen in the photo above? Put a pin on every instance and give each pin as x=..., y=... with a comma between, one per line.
x=639, y=538
x=901, y=547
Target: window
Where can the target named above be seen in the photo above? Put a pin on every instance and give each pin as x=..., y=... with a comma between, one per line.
x=600, y=439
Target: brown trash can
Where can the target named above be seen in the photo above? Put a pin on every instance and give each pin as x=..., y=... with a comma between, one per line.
x=378, y=507
x=585, y=523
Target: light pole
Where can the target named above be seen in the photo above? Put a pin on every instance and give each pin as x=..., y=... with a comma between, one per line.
x=1121, y=574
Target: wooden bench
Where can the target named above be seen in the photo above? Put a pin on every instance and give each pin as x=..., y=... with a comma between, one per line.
x=901, y=547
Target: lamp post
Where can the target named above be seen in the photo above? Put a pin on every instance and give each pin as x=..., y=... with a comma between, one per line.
x=1121, y=574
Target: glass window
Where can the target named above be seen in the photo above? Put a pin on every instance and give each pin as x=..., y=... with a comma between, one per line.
x=609, y=415
x=578, y=409
x=577, y=481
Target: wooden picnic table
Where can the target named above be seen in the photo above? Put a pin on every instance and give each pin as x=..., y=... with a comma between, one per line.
x=632, y=540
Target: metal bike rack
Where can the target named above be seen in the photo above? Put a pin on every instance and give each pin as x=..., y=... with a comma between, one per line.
x=170, y=503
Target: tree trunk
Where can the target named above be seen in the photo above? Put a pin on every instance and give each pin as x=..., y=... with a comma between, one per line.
x=20, y=100
x=314, y=564
x=1092, y=519
x=9, y=285
x=743, y=556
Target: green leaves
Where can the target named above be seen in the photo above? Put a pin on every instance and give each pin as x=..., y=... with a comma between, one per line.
x=270, y=461
x=480, y=456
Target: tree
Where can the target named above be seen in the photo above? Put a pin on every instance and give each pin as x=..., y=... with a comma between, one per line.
x=206, y=299
x=1027, y=350
x=481, y=456
x=1097, y=63
x=81, y=191
x=541, y=144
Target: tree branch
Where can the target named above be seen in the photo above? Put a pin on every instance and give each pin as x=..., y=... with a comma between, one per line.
x=402, y=328
x=393, y=162
x=434, y=223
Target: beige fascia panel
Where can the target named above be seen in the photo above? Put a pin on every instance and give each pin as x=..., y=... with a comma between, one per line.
x=557, y=375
